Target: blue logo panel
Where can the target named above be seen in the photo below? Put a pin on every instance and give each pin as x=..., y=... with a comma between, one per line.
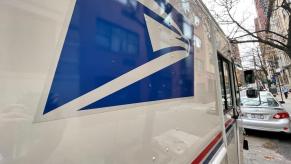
x=107, y=39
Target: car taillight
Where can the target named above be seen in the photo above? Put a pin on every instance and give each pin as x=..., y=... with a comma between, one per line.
x=281, y=115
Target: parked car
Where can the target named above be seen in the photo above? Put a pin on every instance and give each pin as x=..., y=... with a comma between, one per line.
x=264, y=113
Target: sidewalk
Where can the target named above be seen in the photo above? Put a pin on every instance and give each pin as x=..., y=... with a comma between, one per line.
x=287, y=104
x=264, y=150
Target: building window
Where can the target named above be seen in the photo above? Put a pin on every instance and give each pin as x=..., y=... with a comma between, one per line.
x=196, y=21
x=200, y=65
x=197, y=41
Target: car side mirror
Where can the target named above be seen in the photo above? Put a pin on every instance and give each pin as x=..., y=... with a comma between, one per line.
x=249, y=76
x=252, y=93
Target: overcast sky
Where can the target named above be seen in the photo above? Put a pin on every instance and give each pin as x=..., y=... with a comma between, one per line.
x=245, y=10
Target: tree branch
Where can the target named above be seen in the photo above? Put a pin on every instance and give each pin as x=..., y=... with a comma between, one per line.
x=279, y=42
x=256, y=32
x=259, y=41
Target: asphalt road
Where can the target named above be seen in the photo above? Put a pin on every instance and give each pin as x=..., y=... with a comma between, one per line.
x=269, y=147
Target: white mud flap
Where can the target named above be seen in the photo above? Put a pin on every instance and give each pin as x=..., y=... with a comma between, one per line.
x=219, y=156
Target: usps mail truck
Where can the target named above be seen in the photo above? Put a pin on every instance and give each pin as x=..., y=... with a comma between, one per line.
x=115, y=81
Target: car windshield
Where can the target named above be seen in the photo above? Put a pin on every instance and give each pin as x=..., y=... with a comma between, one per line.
x=267, y=100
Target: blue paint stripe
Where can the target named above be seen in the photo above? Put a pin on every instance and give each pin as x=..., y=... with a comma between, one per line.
x=213, y=152
x=229, y=127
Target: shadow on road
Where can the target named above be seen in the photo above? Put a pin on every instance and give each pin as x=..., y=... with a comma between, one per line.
x=280, y=143
x=284, y=137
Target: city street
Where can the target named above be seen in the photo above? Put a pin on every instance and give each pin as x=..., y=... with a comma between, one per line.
x=268, y=147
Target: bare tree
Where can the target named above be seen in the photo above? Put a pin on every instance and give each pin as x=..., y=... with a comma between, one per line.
x=260, y=62
x=242, y=34
x=256, y=60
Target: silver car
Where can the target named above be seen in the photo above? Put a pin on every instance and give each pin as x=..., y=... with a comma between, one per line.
x=264, y=113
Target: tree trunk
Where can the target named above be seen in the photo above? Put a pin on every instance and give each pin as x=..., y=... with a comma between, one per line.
x=288, y=51
x=266, y=77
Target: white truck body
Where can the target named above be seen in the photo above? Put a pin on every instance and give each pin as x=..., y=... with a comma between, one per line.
x=113, y=81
